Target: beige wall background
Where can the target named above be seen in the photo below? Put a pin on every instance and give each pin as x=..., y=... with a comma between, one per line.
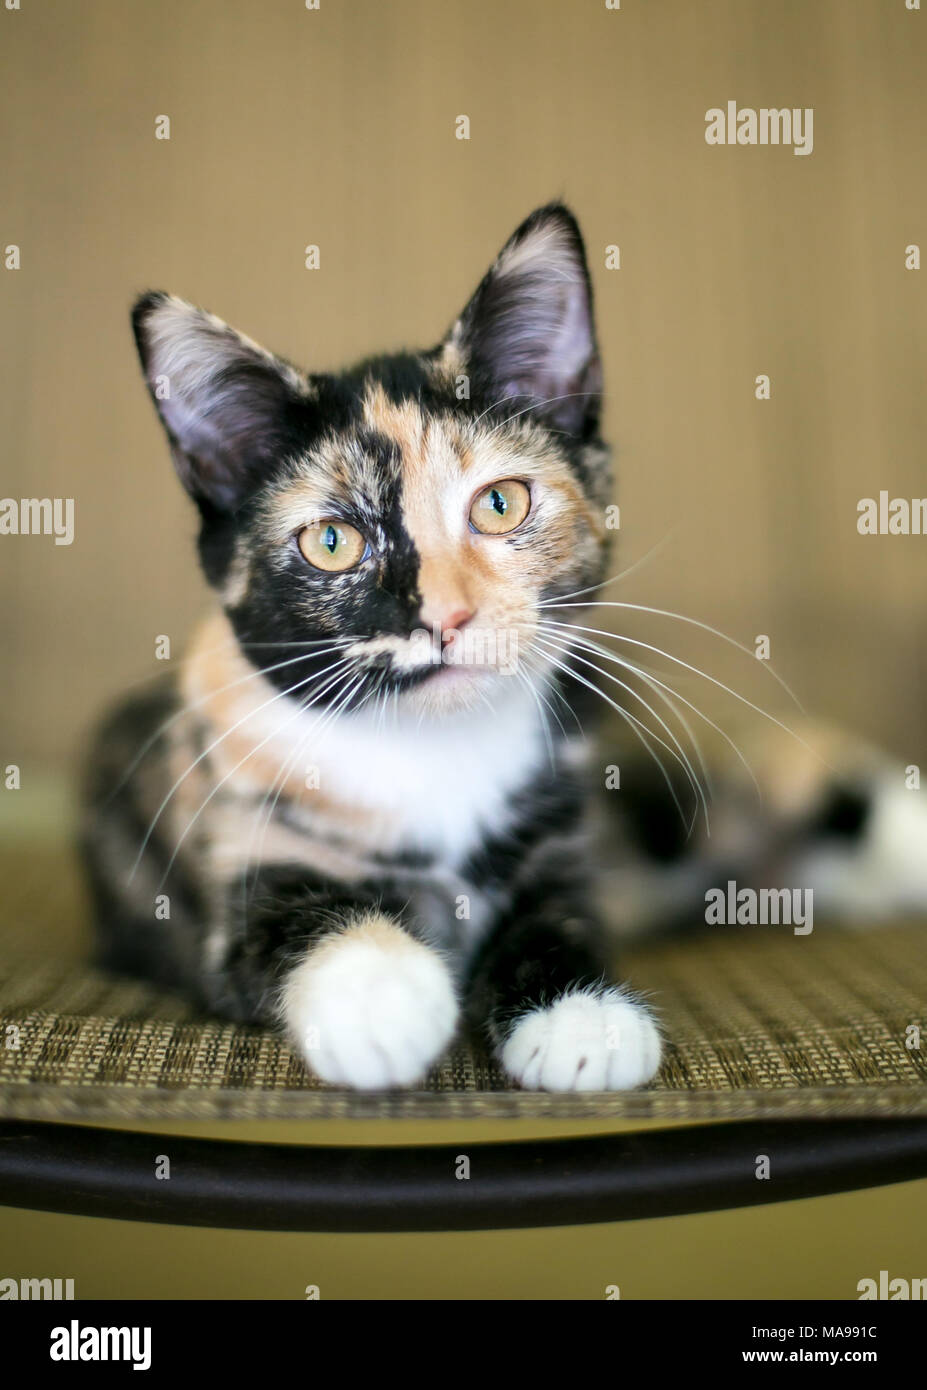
x=337, y=127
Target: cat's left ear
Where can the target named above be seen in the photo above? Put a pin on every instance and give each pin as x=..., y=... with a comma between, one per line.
x=528, y=333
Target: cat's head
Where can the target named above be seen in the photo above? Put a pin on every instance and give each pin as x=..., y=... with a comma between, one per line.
x=398, y=523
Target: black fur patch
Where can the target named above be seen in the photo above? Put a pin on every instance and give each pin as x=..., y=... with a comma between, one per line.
x=651, y=817
x=845, y=815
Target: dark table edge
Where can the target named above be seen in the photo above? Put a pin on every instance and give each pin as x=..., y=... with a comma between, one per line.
x=87, y=1171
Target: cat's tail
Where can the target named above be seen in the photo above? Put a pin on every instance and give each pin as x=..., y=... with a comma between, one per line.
x=817, y=812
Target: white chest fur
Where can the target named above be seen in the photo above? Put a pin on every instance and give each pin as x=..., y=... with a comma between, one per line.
x=432, y=784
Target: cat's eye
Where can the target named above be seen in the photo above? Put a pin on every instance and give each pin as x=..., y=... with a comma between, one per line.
x=500, y=507
x=331, y=545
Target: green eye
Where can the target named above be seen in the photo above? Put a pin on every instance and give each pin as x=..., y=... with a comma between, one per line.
x=332, y=545
x=500, y=508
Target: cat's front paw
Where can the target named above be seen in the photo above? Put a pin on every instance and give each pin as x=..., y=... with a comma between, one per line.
x=370, y=1007
x=584, y=1041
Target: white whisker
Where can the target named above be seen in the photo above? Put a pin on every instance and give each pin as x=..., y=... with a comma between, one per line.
x=336, y=684
x=339, y=700
x=593, y=588
x=564, y=645
x=682, y=618
x=250, y=754
x=642, y=731
x=204, y=699
x=536, y=405
x=222, y=737
x=635, y=642
x=666, y=691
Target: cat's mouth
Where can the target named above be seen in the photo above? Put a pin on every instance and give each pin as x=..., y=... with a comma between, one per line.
x=448, y=688
x=439, y=686
x=440, y=673
x=471, y=659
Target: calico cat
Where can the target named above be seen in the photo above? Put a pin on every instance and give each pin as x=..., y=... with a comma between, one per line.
x=359, y=803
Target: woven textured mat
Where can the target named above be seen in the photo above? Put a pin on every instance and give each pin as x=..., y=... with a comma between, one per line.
x=761, y=1023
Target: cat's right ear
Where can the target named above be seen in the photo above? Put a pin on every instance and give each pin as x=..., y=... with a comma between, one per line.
x=228, y=406
x=528, y=333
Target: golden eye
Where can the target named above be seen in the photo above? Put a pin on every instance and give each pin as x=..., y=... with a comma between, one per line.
x=500, y=507
x=331, y=545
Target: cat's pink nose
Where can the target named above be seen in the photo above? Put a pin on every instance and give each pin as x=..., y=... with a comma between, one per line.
x=454, y=622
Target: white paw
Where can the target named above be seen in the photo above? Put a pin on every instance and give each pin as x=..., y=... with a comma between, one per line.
x=584, y=1042
x=370, y=1007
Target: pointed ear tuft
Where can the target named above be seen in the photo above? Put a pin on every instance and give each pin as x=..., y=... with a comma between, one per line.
x=227, y=405
x=528, y=333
